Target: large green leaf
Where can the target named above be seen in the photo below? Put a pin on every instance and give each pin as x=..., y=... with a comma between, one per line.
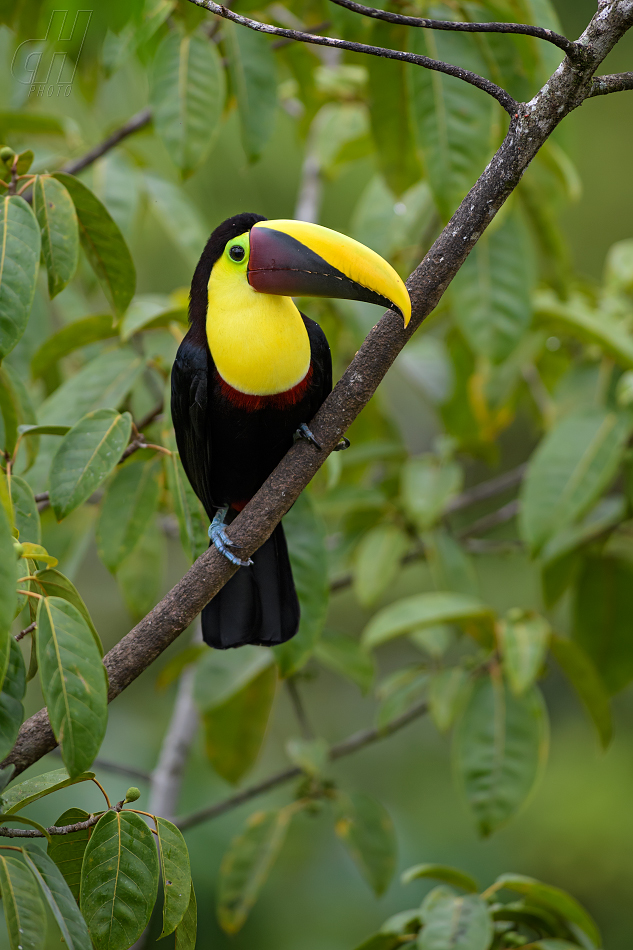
x=119, y=880
x=523, y=638
x=344, y=655
x=389, y=110
x=187, y=96
x=73, y=681
x=501, y=743
x=254, y=81
x=451, y=567
x=17, y=410
x=425, y=610
x=553, y=898
x=377, y=562
x=247, y=864
x=448, y=692
x=451, y=120
x=19, y=260
x=8, y=596
x=53, y=583
x=602, y=616
x=59, y=899
x=192, y=520
x=577, y=317
x=574, y=463
x=366, y=828
x=128, y=507
x=85, y=458
x=70, y=338
x=67, y=851
x=27, y=517
x=178, y=215
x=57, y=219
x=23, y=909
x=103, y=383
x=427, y=486
x=441, y=872
x=456, y=923
x=32, y=789
x=584, y=677
x=305, y=533
x=103, y=243
x=187, y=929
x=140, y=575
x=491, y=292
x=11, y=708
x=176, y=872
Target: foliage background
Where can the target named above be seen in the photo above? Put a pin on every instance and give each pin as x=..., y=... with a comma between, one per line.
x=577, y=831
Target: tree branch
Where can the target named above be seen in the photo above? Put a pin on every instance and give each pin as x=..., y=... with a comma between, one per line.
x=573, y=50
x=502, y=97
x=565, y=91
x=135, y=124
x=616, y=82
x=359, y=740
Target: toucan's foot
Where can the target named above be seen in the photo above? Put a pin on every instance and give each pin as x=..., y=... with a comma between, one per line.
x=220, y=539
x=343, y=444
x=303, y=432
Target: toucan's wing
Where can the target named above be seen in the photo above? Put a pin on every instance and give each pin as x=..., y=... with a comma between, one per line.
x=321, y=358
x=189, y=413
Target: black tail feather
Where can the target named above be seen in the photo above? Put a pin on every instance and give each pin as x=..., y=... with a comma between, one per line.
x=258, y=605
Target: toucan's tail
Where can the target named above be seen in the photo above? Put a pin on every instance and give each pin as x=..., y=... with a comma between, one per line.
x=258, y=604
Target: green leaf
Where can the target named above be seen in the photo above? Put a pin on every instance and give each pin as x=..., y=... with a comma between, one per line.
x=389, y=228
x=501, y=745
x=57, y=218
x=67, y=851
x=568, y=471
x=70, y=338
x=103, y=383
x=192, y=520
x=399, y=692
x=186, y=931
x=344, y=655
x=234, y=730
x=618, y=267
x=178, y=215
x=584, y=677
x=60, y=899
x=254, y=81
x=187, y=97
x=175, y=667
x=389, y=112
x=577, y=317
x=34, y=788
x=451, y=120
x=17, y=409
x=440, y=872
x=103, y=243
x=555, y=945
x=54, y=584
x=305, y=533
x=176, y=871
x=23, y=909
x=140, y=575
x=456, y=923
x=19, y=261
x=11, y=708
x=366, y=829
x=43, y=430
x=31, y=123
x=377, y=562
x=27, y=517
x=247, y=864
x=523, y=638
x=491, y=292
x=119, y=880
x=427, y=486
x=447, y=694
x=425, y=610
x=450, y=566
x=129, y=505
x=143, y=310
x=434, y=640
x=73, y=681
x=310, y=755
x=8, y=596
x=85, y=458
x=553, y=898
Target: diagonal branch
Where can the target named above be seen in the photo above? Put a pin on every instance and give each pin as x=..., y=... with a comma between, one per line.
x=135, y=124
x=565, y=91
x=616, y=82
x=502, y=97
x=573, y=50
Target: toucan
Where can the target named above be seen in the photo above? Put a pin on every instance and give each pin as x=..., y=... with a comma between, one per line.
x=248, y=377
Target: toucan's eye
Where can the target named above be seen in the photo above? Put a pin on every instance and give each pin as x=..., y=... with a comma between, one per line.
x=237, y=252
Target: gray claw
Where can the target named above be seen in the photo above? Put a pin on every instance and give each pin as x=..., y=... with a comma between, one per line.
x=342, y=445
x=303, y=432
x=221, y=541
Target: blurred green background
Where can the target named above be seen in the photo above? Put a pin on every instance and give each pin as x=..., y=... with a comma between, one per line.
x=577, y=831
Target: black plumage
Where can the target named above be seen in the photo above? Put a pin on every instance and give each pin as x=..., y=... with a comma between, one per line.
x=229, y=445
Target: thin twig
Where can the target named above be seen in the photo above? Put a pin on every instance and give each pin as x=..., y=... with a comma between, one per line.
x=319, y=28
x=359, y=740
x=126, y=770
x=502, y=97
x=31, y=627
x=495, y=518
x=135, y=124
x=616, y=82
x=297, y=704
x=487, y=489
x=573, y=50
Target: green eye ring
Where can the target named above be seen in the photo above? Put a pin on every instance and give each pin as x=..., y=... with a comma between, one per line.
x=237, y=250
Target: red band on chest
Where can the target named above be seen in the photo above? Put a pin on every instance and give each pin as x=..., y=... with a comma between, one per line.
x=251, y=403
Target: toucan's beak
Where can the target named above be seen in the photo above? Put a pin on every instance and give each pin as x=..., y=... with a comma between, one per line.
x=297, y=259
